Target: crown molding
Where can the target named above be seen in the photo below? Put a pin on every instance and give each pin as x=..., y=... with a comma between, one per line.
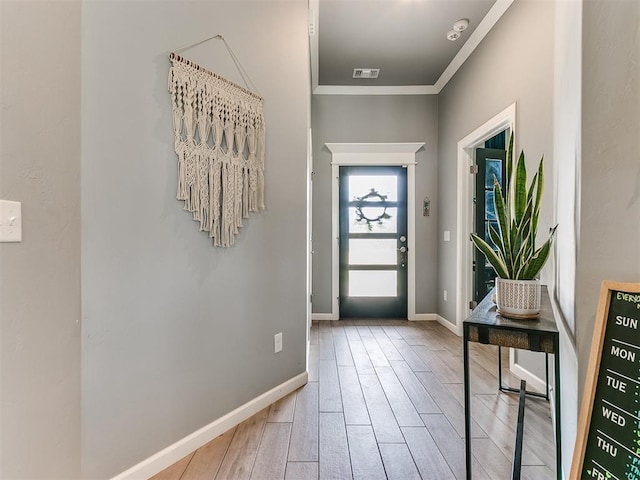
x=375, y=90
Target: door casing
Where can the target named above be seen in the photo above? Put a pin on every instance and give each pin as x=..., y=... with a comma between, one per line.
x=373, y=154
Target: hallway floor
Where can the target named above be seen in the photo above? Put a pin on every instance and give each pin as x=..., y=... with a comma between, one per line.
x=384, y=401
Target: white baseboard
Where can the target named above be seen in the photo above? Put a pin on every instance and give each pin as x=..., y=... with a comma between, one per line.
x=323, y=316
x=416, y=317
x=421, y=317
x=447, y=324
x=532, y=380
x=164, y=458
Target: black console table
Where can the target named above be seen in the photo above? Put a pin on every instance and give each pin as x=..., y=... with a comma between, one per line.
x=485, y=325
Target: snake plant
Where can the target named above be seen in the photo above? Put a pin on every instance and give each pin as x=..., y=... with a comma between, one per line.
x=516, y=256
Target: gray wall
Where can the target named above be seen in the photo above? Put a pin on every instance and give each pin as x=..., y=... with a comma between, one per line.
x=591, y=127
x=177, y=333
x=514, y=63
x=567, y=134
x=610, y=170
x=375, y=119
x=40, y=277
x=598, y=174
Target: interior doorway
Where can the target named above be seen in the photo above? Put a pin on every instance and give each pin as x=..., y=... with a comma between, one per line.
x=373, y=242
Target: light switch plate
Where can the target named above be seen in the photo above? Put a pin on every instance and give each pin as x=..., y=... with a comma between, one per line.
x=447, y=235
x=10, y=221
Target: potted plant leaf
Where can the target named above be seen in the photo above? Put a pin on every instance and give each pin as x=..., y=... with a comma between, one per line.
x=514, y=256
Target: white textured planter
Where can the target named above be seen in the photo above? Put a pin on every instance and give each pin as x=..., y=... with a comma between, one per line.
x=518, y=298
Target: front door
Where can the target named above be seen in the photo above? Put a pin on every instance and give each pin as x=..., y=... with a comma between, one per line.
x=373, y=242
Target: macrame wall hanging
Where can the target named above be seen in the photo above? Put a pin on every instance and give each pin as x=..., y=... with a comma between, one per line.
x=220, y=141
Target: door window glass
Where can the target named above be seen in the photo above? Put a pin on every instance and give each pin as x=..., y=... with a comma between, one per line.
x=493, y=170
x=373, y=283
x=490, y=209
x=361, y=185
x=372, y=251
x=373, y=219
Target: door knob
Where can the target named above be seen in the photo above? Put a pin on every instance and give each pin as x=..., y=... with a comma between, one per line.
x=403, y=255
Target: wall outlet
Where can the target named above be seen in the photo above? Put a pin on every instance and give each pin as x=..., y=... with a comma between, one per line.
x=277, y=342
x=444, y=295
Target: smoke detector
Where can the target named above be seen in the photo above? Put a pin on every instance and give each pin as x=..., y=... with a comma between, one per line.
x=457, y=29
x=453, y=35
x=366, y=72
x=461, y=25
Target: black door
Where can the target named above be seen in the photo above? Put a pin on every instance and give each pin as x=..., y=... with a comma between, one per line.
x=490, y=164
x=373, y=242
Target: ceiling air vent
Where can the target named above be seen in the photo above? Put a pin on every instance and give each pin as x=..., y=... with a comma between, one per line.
x=366, y=72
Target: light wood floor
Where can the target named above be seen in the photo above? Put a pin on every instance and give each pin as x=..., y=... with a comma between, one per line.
x=384, y=401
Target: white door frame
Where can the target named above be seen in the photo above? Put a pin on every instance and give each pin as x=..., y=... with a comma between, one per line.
x=378, y=154
x=505, y=120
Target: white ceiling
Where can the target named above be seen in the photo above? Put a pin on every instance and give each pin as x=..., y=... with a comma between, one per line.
x=406, y=39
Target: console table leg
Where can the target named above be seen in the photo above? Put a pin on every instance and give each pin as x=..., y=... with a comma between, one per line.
x=556, y=361
x=499, y=367
x=467, y=405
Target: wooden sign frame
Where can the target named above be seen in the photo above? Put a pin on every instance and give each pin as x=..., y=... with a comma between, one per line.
x=595, y=358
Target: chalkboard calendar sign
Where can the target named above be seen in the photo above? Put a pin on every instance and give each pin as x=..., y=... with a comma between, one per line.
x=608, y=441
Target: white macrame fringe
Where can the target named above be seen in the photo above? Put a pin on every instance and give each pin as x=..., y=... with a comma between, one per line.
x=219, y=140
